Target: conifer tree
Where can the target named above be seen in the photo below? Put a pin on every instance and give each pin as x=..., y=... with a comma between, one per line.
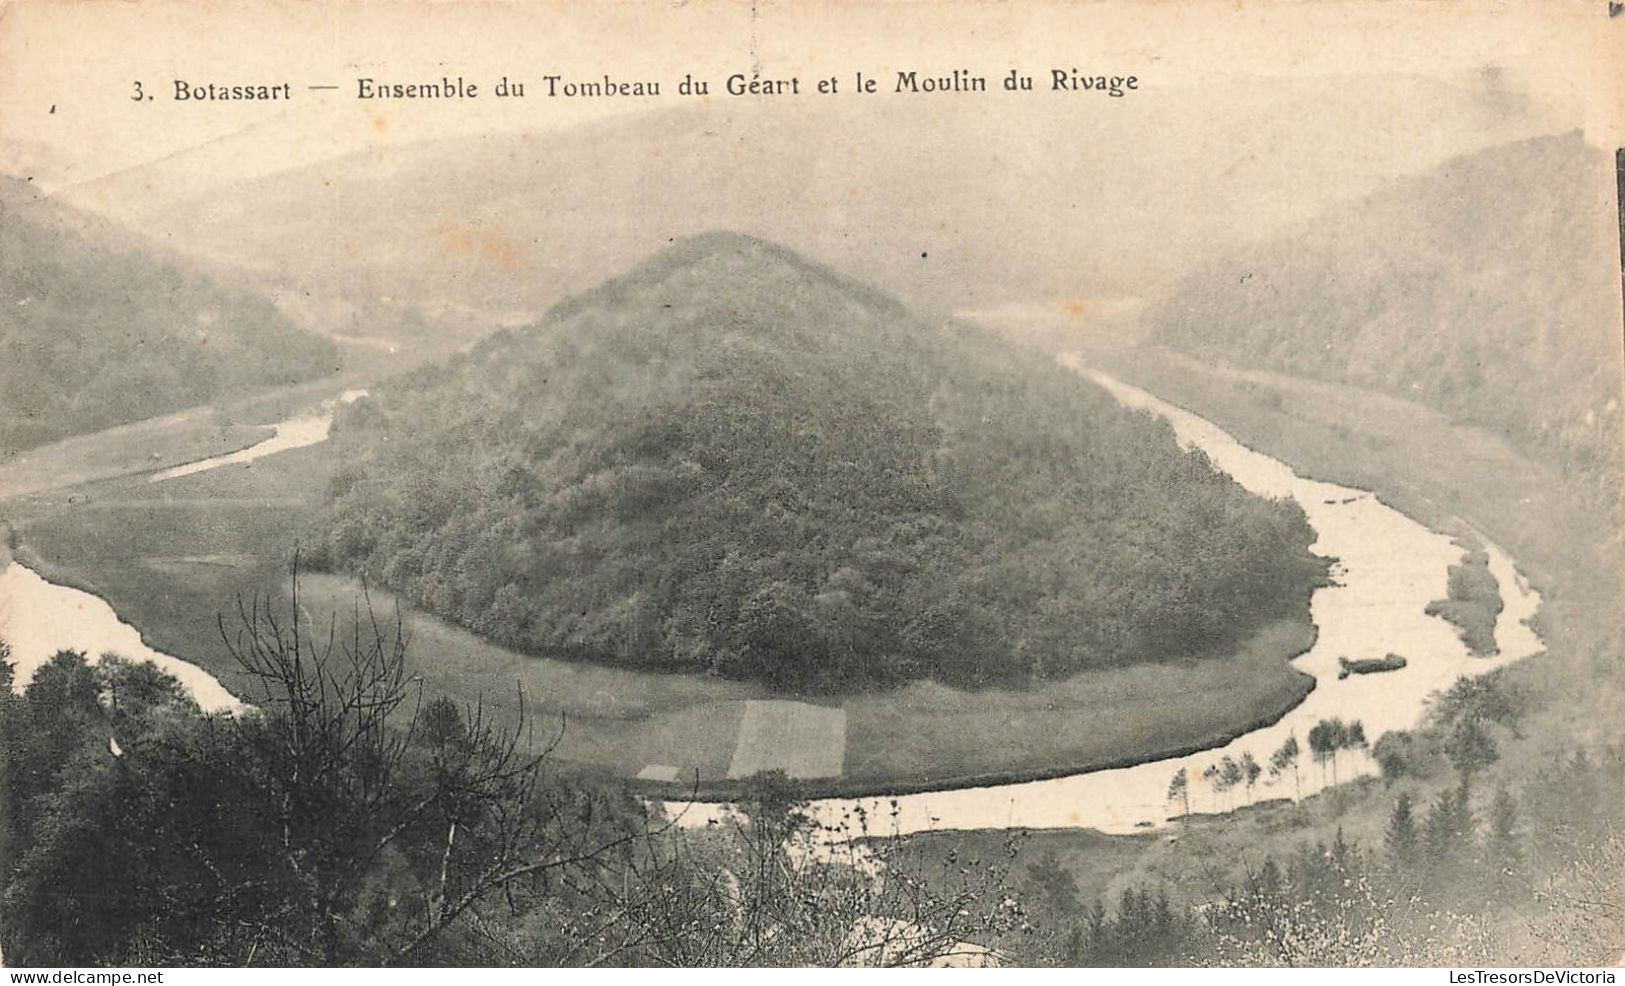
x=1401, y=838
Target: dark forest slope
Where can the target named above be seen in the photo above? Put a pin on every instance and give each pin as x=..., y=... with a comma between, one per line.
x=99, y=328
x=1475, y=288
x=735, y=460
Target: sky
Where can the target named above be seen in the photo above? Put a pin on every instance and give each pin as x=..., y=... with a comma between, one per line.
x=67, y=69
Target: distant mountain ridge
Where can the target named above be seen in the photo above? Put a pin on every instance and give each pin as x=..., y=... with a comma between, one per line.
x=1482, y=288
x=99, y=328
x=1070, y=201
x=734, y=460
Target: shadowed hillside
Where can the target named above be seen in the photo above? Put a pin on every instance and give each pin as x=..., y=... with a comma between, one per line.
x=734, y=460
x=1474, y=288
x=98, y=328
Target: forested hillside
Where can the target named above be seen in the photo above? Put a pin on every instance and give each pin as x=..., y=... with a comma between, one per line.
x=98, y=328
x=734, y=460
x=1488, y=304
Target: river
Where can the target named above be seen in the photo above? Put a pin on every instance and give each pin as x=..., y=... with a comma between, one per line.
x=39, y=618
x=1389, y=568
x=296, y=432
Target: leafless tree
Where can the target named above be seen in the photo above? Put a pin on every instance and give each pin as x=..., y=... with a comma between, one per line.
x=338, y=734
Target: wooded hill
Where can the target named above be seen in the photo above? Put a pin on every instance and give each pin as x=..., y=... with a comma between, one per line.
x=99, y=328
x=1484, y=288
x=734, y=460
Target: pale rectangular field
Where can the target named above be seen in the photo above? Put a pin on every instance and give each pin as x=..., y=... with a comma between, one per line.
x=803, y=740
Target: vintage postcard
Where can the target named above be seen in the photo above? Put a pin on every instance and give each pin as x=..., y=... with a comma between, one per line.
x=762, y=483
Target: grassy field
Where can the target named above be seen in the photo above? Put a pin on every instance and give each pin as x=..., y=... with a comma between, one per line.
x=147, y=446
x=803, y=740
x=168, y=569
x=172, y=556
x=186, y=437
x=618, y=720
x=936, y=736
